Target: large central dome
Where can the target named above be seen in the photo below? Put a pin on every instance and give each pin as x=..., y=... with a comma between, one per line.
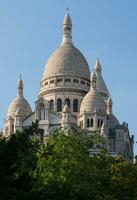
x=66, y=76
x=67, y=60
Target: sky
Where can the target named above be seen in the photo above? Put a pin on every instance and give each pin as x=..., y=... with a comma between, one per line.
x=30, y=30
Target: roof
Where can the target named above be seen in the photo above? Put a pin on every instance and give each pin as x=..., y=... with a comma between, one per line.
x=19, y=102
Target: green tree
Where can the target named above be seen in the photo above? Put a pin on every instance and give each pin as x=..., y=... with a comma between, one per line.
x=62, y=168
x=18, y=160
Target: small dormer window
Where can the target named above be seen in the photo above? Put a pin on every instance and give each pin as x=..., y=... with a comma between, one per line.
x=87, y=123
x=67, y=80
x=91, y=122
x=59, y=80
x=46, y=83
x=51, y=81
x=83, y=82
x=75, y=80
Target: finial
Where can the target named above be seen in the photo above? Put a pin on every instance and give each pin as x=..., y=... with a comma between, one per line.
x=97, y=66
x=67, y=10
x=98, y=59
x=20, y=77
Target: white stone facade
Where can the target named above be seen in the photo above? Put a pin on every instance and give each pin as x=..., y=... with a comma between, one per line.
x=70, y=98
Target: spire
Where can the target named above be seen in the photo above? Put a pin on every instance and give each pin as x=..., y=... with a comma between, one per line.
x=66, y=109
x=100, y=83
x=97, y=67
x=20, y=86
x=67, y=27
x=93, y=79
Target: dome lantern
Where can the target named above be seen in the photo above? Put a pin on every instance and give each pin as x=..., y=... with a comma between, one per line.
x=20, y=86
x=67, y=27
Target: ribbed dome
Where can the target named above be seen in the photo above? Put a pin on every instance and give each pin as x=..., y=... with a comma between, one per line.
x=21, y=102
x=93, y=100
x=67, y=60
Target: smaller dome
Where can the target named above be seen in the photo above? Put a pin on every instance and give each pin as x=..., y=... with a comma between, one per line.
x=19, y=102
x=19, y=105
x=93, y=100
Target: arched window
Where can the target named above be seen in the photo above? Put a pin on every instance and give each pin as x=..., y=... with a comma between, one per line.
x=81, y=124
x=87, y=123
x=42, y=112
x=91, y=121
x=75, y=105
x=98, y=122
x=67, y=101
x=101, y=122
x=12, y=128
x=52, y=105
x=59, y=105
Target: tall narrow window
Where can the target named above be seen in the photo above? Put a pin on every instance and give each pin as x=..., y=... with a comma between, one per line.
x=91, y=121
x=67, y=101
x=59, y=105
x=81, y=124
x=101, y=122
x=87, y=123
x=52, y=105
x=75, y=105
x=12, y=128
x=42, y=112
x=98, y=122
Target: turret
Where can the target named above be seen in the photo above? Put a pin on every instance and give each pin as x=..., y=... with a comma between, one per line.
x=101, y=86
x=18, y=120
x=109, y=105
x=66, y=117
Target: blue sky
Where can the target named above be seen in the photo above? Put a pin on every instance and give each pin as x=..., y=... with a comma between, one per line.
x=30, y=30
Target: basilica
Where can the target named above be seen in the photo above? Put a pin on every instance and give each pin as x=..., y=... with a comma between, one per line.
x=71, y=98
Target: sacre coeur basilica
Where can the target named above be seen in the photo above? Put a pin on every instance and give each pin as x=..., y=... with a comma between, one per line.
x=71, y=98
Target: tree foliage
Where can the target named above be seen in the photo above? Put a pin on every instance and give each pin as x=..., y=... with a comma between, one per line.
x=62, y=168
